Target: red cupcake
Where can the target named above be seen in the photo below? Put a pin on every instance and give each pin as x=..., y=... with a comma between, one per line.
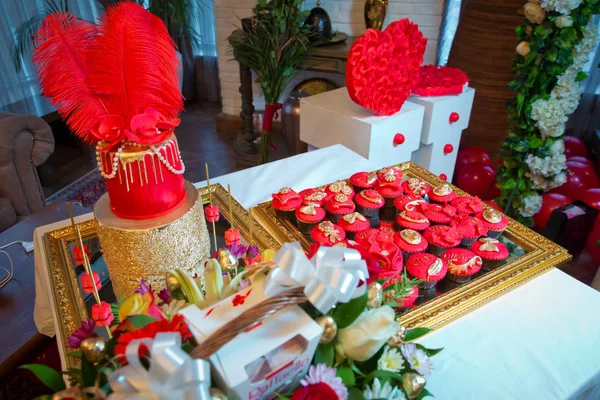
x=409, y=202
x=403, y=295
x=470, y=227
x=408, y=300
x=316, y=196
x=338, y=205
x=339, y=187
x=308, y=216
x=327, y=233
x=393, y=170
x=442, y=193
x=388, y=255
x=390, y=187
x=364, y=180
x=410, y=242
x=412, y=220
x=369, y=202
x=373, y=235
x=285, y=202
x=442, y=238
x=428, y=268
x=416, y=187
x=494, y=221
x=353, y=223
x=462, y=264
x=491, y=251
x=467, y=205
x=439, y=213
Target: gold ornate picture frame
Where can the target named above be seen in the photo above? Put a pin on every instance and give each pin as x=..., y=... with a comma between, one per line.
x=540, y=255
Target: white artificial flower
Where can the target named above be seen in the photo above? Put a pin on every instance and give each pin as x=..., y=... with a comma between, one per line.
x=553, y=131
x=563, y=21
x=582, y=50
x=417, y=358
x=567, y=92
x=531, y=205
x=390, y=360
x=559, y=180
x=558, y=147
x=561, y=6
x=546, y=166
x=385, y=392
x=171, y=309
x=549, y=116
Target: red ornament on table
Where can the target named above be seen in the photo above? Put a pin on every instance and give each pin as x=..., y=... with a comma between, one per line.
x=448, y=148
x=440, y=81
x=211, y=213
x=475, y=178
x=550, y=202
x=574, y=147
x=454, y=117
x=383, y=66
x=86, y=282
x=398, y=139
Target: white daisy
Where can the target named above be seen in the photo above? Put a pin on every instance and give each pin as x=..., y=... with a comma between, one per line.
x=417, y=358
x=385, y=392
x=390, y=360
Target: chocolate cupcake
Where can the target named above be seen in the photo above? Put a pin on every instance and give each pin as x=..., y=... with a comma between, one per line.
x=327, y=233
x=442, y=193
x=369, y=203
x=364, y=180
x=313, y=195
x=491, y=251
x=416, y=187
x=467, y=205
x=494, y=221
x=308, y=216
x=390, y=187
x=339, y=187
x=439, y=213
x=441, y=238
x=412, y=220
x=428, y=268
x=353, y=223
x=462, y=264
x=338, y=205
x=393, y=170
x=410, y=242
x=285, y=202
x=471, y=228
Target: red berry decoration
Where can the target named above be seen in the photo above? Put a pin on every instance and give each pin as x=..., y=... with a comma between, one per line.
x=448, y=148
x=383, y=66
x=574, y=147
x=581, y=160
x=550, y=202
x=580, y=178
x=454, y=117
x=493, y=205
x=591, y=197
x=444, y=177
x=398, y=139
x=472, y=154
x=211, y=213
x=476, y=178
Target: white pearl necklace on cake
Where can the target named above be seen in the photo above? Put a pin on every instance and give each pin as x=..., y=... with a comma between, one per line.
x=115, y=163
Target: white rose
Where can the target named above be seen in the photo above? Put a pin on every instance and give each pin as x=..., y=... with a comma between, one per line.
x=564, y=21
x=368, y=333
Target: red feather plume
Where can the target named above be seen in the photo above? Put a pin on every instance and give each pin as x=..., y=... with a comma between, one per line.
x=62, y=62
x=135, y=65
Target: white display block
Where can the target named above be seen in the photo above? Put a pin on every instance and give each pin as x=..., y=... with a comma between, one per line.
x=439, y=130
x=333, y=118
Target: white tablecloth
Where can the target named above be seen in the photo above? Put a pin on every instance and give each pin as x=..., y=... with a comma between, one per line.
x=540, y=341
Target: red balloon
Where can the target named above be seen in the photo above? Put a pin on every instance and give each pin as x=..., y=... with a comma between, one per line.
x=591, y=197
x=574, y=147
x=475, y=178
x=550, y=202
x=592, y=243
x=472, y=154
x=580, y=178
x=582, y=160
x=493, y=205
x=492, y=193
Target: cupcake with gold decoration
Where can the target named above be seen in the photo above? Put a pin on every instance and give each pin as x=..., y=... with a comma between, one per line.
x=442, y=193
x=491, y=251
x=339, y=187
x=462, y=264
x=363, y=181
x=410, y=242
x=285, y=202
x=327, y=233
x=308, y=216
x=338, y=205
x=353, y=223
x=416, y=187
x=412, y=220
x=494, y=221
x=428, y=268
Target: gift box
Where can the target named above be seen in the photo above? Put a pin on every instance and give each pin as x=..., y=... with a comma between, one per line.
x=269, y=357
x=570, y=225
x=333, y=118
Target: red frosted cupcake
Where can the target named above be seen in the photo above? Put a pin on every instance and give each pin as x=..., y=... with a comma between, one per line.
x=439, y=213
x=405, y=297
x=308, y=216
x=390, y=187
x=412, y=220
x=442, y=193
x=285, y=202
x=388, y=256
x=494, y=221
x=442, y=238
x=338, y=205
x=364, y=180
x=369, y=202
x=388, y=171
x=467, y=205
x=373, y=235
x=409, y=202
x=408, y=299
x=316, y=196
x=491, y=251
x=428, y=268
x=416, y=187
x=410, y=242
x=353, y=223
x=470, y=227
x=462, y=264
x=327, y=233
x=339, y=187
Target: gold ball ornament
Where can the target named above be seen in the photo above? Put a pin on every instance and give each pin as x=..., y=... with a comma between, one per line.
x=523, y=48
x=534, y=13
x=329, y=328
x=374, y=295
x=172, y=282
x=217, y=394
x=413, y=384
x=227, y=261
x=397, y=340
x=93, y=349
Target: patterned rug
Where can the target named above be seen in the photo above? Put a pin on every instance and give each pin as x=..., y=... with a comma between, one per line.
x=85, y=190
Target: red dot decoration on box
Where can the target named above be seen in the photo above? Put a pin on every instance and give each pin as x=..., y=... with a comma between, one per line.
x=448, y=148
x=398, y=139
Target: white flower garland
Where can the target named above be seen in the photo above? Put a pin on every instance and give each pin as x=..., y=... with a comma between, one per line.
x=562, y=6
x=531, y=205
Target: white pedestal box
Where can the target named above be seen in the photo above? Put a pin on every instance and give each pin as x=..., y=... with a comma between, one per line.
x=445, y=119
x=333, y=118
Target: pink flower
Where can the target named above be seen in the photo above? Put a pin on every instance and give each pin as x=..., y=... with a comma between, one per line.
x=85, y=331
x=151, y=127
x=323, y=374
x=86, y=282
x=111, y=130
x=102, y=314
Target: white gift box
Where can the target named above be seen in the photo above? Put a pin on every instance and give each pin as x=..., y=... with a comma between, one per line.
x=271, y=356
x=333, y=118
x=445, y=119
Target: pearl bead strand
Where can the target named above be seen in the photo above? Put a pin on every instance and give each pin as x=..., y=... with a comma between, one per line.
x=115, y=164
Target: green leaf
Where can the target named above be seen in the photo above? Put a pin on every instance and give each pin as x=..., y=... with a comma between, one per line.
x=383, y=376
x=543, y=29
x=509, y=184
x=415, y=333
x=551, y=54
x=345, y=372
x=75, y=354
x=355, y=393
x=345, y=314
x=522, y=146
x=140, y=321
x=423, y=394
x=49, y=377
x=88, y=373
x=325, y=354
x=581, y=76
x=535, y=142
x=429, y=352
x=288, y=71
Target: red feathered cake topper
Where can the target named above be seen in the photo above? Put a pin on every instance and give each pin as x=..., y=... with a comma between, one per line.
x=113, y=81
x=383, y=66
x=440, y=81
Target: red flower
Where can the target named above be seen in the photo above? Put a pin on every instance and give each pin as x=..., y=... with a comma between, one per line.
x=211, y=213
x=177, y=324
x=240, y=299
x=317, y=391
x=102, y=314
x=111, y=130
x=78, y=255
x=440, y=81
x=151, y=127
x=87, y=284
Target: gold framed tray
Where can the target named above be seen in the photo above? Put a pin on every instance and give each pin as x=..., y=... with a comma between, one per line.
x=72, y=305
x=531, y=254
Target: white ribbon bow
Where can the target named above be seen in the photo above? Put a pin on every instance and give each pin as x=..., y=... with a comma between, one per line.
x=331, y=276
x=173, y=374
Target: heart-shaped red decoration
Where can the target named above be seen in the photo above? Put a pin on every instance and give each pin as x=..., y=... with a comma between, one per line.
x=383, y=66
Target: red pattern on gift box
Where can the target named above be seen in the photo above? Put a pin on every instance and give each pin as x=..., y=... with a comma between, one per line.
x=240, y=299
